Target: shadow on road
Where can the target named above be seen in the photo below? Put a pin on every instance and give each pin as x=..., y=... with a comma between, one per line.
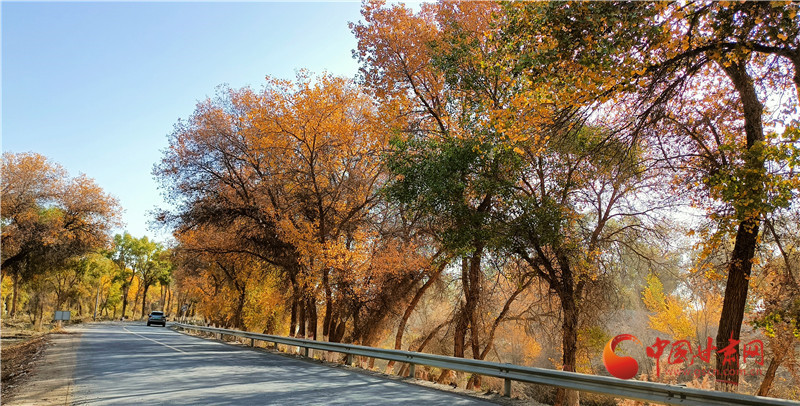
x=150, y=365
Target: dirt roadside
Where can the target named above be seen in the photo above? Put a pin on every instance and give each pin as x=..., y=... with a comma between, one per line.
x=51, y=379
x=17, y=358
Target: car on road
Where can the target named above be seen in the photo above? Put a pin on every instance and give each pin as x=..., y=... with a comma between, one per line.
x=157, y=318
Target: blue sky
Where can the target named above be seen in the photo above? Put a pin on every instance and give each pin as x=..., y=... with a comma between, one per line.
x=97, y=87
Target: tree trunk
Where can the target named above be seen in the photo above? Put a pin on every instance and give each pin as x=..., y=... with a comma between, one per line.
x=569, y=328
x=337, y=335
x=467, y=317
x=136, y=299
x=312, y=317
x=328, y=318
x=796, y=63
x=569, y=343
x=301, y=318
x=474, y=298
x=401, y=328
x=15, y=295
x=766, y=384
x=730, y=323
x=462, y=319
x=167, y=311
x=144, y=298
x=733, y=305
x=501, y=316
x=475, y=294
x=356, y=333
x=293, y=318
x=124, y=301
x=34, y=311
x=41, y=312
x=238, y=320
x=96, y=302
x=125, y=290
x=475, y=380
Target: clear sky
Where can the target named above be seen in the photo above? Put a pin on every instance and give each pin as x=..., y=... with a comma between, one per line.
x=97, y=87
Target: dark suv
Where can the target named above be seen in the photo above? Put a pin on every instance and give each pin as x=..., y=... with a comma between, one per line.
x=157, y=318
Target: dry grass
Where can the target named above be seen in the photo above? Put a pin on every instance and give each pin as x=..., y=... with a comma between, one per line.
x=18, y=360
x=22, y=345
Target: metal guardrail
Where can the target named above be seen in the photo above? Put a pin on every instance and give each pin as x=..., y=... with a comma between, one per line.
x=629, y=389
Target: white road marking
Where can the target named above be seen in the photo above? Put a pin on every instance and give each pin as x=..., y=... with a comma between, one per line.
x=155, y=341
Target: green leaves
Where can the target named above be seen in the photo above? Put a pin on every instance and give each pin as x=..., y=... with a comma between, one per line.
x=759, y=180
x=452, y=182
x=141, y=256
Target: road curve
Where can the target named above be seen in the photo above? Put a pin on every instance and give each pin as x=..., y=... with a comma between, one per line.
x=134, y=364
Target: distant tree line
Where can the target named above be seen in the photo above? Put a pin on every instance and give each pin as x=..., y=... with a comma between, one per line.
x=57, y=250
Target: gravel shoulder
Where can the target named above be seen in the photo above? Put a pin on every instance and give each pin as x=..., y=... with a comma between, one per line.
x=50, y=379
x=19, y=355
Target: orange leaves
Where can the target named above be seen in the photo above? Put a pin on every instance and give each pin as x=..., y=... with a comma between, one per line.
x=44, y=209
x=294, y=172
x=322, y=138
x=398, y=51
x=29, y=180
x=393, y=48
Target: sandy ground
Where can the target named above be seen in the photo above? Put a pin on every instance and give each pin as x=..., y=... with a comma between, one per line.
x=19, y=355
x=50, y=381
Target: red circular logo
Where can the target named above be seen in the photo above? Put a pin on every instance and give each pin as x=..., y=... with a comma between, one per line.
x=621, y=367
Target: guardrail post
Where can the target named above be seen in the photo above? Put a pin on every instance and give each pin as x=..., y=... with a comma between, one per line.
x=305, y=352
x=252, y=342
x=349, y=360
x=412, y=370
x=507, y=387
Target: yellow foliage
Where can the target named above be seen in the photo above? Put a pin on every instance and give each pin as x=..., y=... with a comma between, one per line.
x=7, y=287
x=672, y=314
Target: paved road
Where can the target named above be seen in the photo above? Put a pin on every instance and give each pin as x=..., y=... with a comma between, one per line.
x=134, y=364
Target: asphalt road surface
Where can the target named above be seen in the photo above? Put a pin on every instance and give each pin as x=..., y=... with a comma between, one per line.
x=135, y=364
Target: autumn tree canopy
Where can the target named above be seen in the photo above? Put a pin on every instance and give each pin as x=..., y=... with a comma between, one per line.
x=700, y=76
x=48, y=217
x=292, y=174
x=503, y=163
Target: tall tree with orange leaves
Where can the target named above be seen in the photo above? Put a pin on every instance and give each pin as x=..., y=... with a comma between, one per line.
x=292, y=174
x=49, y=217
